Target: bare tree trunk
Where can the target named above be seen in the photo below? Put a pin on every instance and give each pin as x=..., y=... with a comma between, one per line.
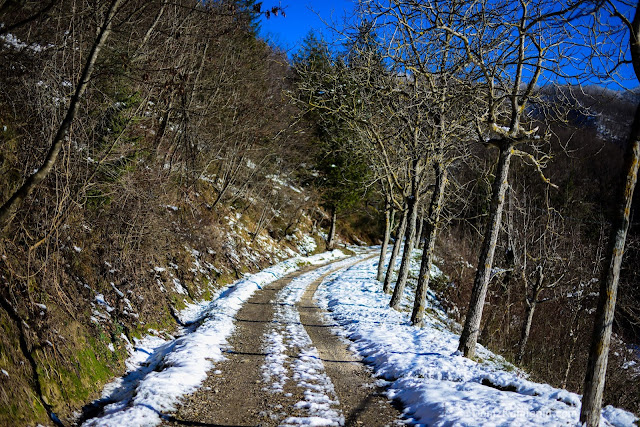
x=510, y=255
x=410, y=234
x=531, y=302
x=332, y=229
x=152, y=27
x=14, y=202
x=469, y=336
x=423, y=236
x=600, y=341
x=388, y=213
x=570, y=360
x=430, y=240
x=394, y=253
x=526, y=329
x=601, y=338
x=419, y=231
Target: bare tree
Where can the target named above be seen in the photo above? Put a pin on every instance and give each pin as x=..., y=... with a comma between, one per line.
x=389, y=217
x=9, y=206
x=538, y=237
x=515, y=47
x=431, y=56
x=397, y=244
x=432, y=223
x=601, y=339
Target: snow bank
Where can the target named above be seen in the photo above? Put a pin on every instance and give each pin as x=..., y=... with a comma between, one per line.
x=161, y=371
x=424, y=370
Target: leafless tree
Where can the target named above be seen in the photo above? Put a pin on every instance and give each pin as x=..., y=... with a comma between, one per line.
x=9, y=206
x=600, y=343
x=516, y=47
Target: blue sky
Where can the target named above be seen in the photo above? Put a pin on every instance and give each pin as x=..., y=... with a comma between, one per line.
x=302, y=16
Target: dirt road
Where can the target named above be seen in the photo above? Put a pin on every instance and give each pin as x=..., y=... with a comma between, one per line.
x=285, y=367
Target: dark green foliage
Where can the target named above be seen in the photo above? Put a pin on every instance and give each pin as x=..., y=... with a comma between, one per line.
x=339, y=173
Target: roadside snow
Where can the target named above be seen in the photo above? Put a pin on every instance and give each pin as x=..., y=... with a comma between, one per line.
x=437, y=386
x=161, y=371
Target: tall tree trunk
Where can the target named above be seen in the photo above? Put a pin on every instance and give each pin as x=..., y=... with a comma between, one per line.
x=469, y=336
x=15, y=201
x=388, y=213
x=431, y=228
x=574, y=334
x=394, y=253
x=410, y=234
x=531, y=302
x=510, y=254
x=601, y=338
x=423, y=236
x=600, y=341
x=419, y=231
x=526, y=329
x=332, y=229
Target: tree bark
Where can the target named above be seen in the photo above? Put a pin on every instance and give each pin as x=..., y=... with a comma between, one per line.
x=394, y=253
x=469, y=336
x=332, y=230
x=419, y=231
x=431, y=228
x=385, y=242
x=601, y=338
x=15, y=201
x=410, y=233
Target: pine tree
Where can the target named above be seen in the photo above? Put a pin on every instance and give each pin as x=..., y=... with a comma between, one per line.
x=339, y=173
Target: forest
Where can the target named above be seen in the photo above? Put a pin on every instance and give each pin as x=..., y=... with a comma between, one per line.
x=152, y=152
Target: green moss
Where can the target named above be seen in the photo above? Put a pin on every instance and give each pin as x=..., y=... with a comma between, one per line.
x=28, y=410
x=225, y=279
x=163, y=322
x=9, y=412
x=75, y=383
x=178, y=301
x=206, y=287
x=95, y=198
x=206, y=294
x=18, y=403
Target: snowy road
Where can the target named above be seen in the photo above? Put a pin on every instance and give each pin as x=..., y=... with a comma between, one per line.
x=265, y=354
x=275, y=375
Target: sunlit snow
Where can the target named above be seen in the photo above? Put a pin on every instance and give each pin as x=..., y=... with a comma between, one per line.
x=436, y=385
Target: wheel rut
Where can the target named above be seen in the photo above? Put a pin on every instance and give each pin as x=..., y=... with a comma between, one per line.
x=239, y=392
x=363, y=403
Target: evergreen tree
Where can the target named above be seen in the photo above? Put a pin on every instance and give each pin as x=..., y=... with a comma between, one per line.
x=340, y=175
